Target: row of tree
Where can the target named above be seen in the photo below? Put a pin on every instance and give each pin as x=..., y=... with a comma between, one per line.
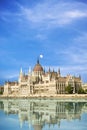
x=69, y=90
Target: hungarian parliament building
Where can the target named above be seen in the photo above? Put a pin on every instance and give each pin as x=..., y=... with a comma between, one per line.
x=39, y=82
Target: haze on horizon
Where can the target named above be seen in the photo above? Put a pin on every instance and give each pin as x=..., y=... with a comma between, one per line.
x=55, y=29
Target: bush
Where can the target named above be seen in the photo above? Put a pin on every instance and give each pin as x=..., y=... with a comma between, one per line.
x=81, y=91
x=1, y=92
x=86, y=91
x=69, y=89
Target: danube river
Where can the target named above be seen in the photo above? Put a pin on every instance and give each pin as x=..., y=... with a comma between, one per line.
x=43, y=114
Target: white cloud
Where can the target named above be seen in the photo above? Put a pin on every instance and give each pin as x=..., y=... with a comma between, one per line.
x=69, y=69
x=47, y=14
x=76, y=14
x=54, y=14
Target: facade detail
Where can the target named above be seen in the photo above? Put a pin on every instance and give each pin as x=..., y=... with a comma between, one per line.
x=39, y=82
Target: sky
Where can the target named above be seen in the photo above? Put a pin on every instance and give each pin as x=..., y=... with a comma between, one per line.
x=56, y=29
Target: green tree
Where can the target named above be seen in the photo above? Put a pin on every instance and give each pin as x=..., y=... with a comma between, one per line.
x=81, y=91
x=86, y=91
x=1, y=92
x=69, y=89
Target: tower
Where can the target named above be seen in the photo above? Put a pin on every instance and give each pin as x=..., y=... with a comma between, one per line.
x=37, y=60
x=59, y=74
x=20, y=75
x=29, y=72
x=80, y=77
x=29, y=81
x=38, y=71
x=49, y=70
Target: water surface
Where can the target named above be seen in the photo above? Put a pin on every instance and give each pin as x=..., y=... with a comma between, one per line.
x=40, y=114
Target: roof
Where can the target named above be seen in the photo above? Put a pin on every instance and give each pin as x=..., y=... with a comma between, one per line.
x=38, y=67
x=24, y=78
x=77, y=79
x=61, y=79
x=12, y=83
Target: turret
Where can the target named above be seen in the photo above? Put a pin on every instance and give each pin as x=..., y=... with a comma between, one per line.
x=59, y=74
x=80, y=77
x=21, y=71
x=44, y=70
x=29, y=72
x=53, y=70
x=20, y=75
x=38, y=61
x=49, y=69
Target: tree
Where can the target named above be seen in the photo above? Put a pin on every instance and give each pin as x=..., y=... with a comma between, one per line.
x=81, y=91
x=69, y=89
x=1, y=92
x=86, y=91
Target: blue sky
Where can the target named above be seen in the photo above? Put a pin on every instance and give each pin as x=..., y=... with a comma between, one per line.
x=57, y=29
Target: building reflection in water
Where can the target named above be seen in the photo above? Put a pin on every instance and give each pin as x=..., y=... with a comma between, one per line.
x=40, y=112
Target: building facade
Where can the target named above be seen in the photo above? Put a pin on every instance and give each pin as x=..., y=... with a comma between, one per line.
x=39, y=82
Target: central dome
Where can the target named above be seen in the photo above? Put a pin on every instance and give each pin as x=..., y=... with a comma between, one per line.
x=38, y=67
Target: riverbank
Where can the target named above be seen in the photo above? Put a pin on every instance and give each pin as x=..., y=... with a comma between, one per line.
x=68, y=96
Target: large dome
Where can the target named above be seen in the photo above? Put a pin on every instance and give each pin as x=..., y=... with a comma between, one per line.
x=38, y=67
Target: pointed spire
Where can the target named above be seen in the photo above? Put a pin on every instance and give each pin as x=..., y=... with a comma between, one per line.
x=37, y=60
x=29, y=70
x=80, y=76
x=49, y=69
x=59, y=74
x=44, y=69
x=59, y=71
x=20, y=75
x=21, y=70
x=53, y=69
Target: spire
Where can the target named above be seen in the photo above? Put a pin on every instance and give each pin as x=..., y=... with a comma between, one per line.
x=37, y=60
x=21, y=70
x=20, y=75
x=80, y=76
x=49, y=69
x=44, y=69
x=53, y=69
x=29, y=71
x=59, y=72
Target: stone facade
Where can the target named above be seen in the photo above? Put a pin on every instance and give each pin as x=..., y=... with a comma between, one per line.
x=39, y=82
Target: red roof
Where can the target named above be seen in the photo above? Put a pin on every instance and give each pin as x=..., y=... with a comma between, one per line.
x=38, y=67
